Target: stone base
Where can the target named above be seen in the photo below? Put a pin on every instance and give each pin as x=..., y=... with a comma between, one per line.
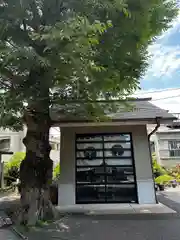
x=103, y=209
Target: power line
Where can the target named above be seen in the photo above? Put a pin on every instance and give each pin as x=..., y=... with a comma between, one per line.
x=155, y=91
x=158, y=99
x=80, y=101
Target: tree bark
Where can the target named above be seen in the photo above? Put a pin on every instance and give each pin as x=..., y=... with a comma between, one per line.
x=36, y=168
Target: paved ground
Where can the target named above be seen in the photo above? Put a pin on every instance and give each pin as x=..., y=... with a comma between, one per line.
x=171, y=198
x=117, y=227
x=6, y=233
x=106, y=209
x=114, y=227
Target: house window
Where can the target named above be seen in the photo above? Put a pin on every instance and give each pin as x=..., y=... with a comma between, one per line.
x=58, y=146
x=152, y=144
x=174, y=148
x=55, y=146
x=5, y=145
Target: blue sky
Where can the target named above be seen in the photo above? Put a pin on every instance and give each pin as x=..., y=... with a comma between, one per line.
x=164, y=69
x=162, y=78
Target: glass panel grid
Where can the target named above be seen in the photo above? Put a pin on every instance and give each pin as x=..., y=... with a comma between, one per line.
x=104, y=169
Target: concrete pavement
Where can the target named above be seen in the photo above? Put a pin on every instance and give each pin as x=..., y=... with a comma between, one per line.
x=171, y=198
x=6, y=233
x=115, y=227
x=112, y=226
x=105, y=227
x=108, y=209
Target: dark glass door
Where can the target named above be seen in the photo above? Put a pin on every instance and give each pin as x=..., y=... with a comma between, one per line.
x=105, y=169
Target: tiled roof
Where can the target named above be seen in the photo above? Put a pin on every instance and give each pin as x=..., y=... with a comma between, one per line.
x=138, y=109
x=143, y=110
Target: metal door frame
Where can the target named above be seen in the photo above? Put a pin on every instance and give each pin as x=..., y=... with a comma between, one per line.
x=105, y=172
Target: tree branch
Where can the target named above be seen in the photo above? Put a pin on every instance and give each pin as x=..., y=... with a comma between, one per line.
x=24, y=25
x=7, y=73
x=36, y=17
x=23, y=35
x=4, y=84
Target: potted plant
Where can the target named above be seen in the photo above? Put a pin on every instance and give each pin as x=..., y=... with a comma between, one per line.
x=161, y=186
x=173, y=183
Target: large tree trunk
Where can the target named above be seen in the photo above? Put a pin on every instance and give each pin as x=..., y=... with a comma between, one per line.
x=36, y=168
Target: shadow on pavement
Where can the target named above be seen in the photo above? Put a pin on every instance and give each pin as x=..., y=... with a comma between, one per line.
x=163, y=198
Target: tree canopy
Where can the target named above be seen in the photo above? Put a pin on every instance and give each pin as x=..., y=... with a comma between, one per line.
x=69, y=53
x=62, y=51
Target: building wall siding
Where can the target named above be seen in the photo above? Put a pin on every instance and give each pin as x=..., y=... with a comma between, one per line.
x=162, y=146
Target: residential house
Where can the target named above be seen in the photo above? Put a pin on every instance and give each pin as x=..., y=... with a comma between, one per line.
x=55, y=147
x=11, y=141
x=166, y=143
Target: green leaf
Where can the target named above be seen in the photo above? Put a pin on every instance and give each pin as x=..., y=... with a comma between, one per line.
x=85, y=49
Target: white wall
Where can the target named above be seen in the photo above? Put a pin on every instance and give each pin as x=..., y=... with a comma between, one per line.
x=55, y=156
x=16, y=144
x=145, y=182
x=163, y=148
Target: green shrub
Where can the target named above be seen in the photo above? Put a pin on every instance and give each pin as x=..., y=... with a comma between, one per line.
x=178, y=177
x=56, y=171
x=158, y=170
x=11, y=168
x=163, y=179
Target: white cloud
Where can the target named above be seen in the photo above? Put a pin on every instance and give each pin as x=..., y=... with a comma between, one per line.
x=165, y=59
x=174, y=27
